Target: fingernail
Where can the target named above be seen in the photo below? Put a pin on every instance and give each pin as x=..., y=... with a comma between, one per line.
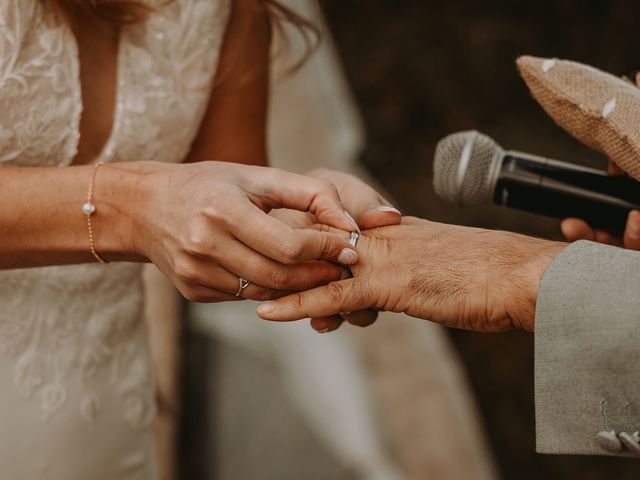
x=266, y=309
x=348, y=256
x=385, y=208
x=353, y=222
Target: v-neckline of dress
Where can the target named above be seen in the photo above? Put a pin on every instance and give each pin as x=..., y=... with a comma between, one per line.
x=108, y=150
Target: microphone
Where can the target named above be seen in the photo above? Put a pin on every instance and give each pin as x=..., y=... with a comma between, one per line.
x=470, y=169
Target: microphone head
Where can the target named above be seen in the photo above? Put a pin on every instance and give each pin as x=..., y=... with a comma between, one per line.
x=465, y=168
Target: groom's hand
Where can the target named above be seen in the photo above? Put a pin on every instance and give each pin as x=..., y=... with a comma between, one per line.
x=463, y=277
x=368, y=208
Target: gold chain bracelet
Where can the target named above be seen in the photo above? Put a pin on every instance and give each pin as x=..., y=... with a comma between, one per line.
x=89, y=209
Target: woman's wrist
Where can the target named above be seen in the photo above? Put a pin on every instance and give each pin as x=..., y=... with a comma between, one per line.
x=123, y=195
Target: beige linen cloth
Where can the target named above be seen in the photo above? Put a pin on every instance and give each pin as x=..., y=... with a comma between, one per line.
x=597, y=108
x=400, y=405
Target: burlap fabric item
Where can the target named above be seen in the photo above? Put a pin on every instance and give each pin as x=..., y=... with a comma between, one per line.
x=600, y=110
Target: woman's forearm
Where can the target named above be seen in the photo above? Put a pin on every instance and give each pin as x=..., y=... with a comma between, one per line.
x=204, y=225
x=42, y=221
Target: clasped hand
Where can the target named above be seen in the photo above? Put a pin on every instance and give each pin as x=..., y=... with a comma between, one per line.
x=206, y=226
x=288, y=234
x=462, y=277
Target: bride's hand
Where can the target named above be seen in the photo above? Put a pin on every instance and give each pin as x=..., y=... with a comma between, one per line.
x=368, y=208
x=463, y=277
x=207, y=224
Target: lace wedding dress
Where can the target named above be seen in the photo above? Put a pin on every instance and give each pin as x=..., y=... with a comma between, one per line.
x=76, y=394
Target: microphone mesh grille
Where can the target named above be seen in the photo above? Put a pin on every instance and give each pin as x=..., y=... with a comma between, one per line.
x=476, y=186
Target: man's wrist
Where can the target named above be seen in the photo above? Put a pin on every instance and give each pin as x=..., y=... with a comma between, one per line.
x=540, y=255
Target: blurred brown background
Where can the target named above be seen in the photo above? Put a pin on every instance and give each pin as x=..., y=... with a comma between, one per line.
x=423, y=68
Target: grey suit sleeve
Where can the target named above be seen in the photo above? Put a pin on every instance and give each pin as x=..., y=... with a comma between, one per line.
x=587, y=352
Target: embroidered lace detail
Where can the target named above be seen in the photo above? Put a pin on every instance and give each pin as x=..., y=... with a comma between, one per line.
x=78, y=328
x=171, y=61
x=40, y=103
x=73, y=327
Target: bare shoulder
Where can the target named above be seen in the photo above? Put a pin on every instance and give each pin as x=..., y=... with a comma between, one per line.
x=234, y=126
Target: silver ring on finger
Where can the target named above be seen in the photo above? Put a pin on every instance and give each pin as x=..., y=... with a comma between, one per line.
x=242, y=284
x=353, y=240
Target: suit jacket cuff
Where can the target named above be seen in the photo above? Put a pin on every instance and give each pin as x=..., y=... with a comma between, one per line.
x=587, y=349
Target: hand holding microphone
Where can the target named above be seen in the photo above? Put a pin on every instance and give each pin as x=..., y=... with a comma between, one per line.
x=470, y=168
x=577, y=229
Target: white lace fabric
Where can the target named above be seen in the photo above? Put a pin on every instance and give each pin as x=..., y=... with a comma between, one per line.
x=77, y=396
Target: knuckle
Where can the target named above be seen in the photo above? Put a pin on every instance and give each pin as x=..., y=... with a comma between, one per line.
x=185, y=270
x=197, y=239
x=323, y=274
x=361, y=290
x=191, y=294
x=195, y=297
x=197, y=243
x=217, y=211
x=300, y=303
x=329, y=188
x=265, y=294
x=291, y=251
x=323, y=186
x=328, y=246
x=335, y=291
x=280, y=278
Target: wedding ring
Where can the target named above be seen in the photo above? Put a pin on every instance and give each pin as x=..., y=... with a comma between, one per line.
x=242, y=284
x=353, y=240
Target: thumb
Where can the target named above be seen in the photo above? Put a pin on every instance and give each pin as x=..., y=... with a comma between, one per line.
x=380, y=215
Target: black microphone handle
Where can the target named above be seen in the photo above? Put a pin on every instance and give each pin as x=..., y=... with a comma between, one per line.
x=561, y=190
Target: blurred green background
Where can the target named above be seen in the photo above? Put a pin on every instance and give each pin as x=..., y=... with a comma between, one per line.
x=421, y=69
